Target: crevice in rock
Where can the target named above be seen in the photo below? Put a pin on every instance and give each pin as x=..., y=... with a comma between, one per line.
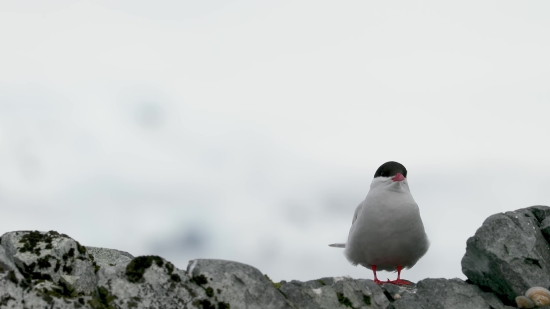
x=533, y=262
x=388, y=296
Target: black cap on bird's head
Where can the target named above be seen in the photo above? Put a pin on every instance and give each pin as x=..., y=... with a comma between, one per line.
x=391, y=169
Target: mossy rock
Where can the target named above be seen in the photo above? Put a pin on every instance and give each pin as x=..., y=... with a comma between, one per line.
x=136, y=268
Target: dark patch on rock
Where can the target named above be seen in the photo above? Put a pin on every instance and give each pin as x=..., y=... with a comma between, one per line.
x=533, y=262
x=5, y=300
x=222, y=305
x=28, y=271
x=200, y=279
x=209, y=291
x=545, y=228
x=47, y=298
x=169, y=267
x=81, y=249
x=204, y=304
x=136, y=268
x=103, y=299
x=389, y=296
x=344, y=300
x=96, y=268
x=175, y=277
x=65, y=290
x=43, y=262
x=12, y=277
x=31, y=240
x=540, y=212
x=366, y=300
x=67, y=269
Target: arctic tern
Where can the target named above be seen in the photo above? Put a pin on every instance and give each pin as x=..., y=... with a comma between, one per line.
x=387, y=232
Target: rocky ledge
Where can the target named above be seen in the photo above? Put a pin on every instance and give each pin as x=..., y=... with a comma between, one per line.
x=508, y=255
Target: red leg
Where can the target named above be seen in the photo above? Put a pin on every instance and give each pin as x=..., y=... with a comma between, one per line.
x=375, y=278
x=399, y=281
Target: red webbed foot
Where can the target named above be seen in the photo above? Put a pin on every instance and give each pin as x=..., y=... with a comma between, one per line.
x=379, y=282
x=399, y=282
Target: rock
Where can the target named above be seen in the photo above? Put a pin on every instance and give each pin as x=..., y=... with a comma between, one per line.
x=509, y=254
x=394, y=292
x=235, y=284
x=339, y=292
x=146, y=282
x=545, y=228
x=47, y=256
x=109, y=257
x=447, y=293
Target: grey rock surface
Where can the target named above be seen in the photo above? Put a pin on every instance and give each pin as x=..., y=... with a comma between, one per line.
x=337, y=292
x=237, y=284
x=109, y=257
x=545, y=228
x=509, y=254
x=447, y=293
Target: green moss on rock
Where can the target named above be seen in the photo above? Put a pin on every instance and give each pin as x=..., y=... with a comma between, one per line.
x=81, y=249
x=276, y=285
x=344, y=300
x=222, y=305
x=209, y=291
x=175, y=277
x=204, y=304
x=48, y=299
x=200, y=279
x=12, y=277
x=31, y=240
x=136, y=268
x=28, y=271
x=103, y=299
x=67, y=269
x=366, y=300
x=169, y=267
x=63, y=291
x=44, y=262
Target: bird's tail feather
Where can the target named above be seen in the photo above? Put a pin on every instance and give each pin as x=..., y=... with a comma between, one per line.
x=337, y=245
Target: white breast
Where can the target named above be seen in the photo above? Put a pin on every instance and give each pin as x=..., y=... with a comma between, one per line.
x=388, y=230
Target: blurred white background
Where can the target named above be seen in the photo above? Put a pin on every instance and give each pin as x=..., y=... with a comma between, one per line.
x=250, y=130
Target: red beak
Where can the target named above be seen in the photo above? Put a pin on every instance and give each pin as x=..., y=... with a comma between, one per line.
x=398, y=177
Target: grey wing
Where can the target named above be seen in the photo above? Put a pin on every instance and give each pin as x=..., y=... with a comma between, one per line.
x=355, y=215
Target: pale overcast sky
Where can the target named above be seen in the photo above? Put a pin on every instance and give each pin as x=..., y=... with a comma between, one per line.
x=250, y=130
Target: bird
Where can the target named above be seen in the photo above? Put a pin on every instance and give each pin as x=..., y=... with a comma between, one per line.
x=387, y=232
